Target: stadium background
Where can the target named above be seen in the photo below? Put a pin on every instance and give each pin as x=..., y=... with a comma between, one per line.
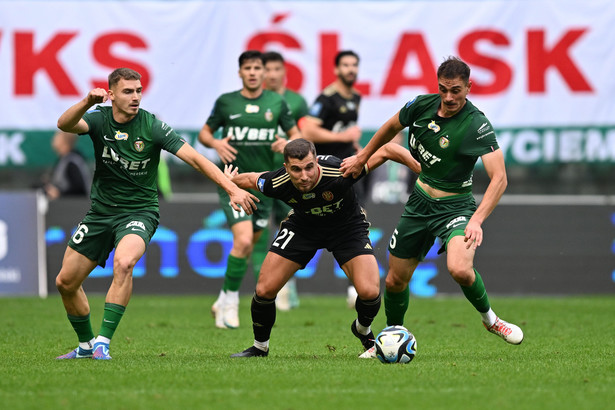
x=542, y=73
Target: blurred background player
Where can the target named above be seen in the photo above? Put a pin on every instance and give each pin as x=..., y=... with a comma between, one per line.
x=71, y=174
x=447, y=136
x=332, y=123
x=275, y=80
x=250, y=118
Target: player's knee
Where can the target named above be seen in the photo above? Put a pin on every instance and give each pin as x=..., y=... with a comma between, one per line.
x=123, y=266
x=395, y=283
x=463, y=275
x=369, y=292
x=242, y=246
x=65, y=286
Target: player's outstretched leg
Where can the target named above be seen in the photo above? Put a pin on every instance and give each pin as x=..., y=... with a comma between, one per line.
x=507, y=331
x=263, y=317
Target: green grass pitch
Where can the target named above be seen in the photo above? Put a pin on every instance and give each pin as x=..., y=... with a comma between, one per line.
x=168, y=354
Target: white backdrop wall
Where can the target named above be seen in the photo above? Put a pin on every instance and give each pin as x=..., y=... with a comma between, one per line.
x=536, y=64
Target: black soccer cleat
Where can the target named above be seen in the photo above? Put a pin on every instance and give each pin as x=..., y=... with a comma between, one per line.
x=366, y=340
x=251, y=351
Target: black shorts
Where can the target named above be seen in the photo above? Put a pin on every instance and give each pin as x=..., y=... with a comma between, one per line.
x=299, y=242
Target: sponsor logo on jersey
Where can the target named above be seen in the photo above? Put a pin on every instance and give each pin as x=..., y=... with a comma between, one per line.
x=444, y=142
x=136, y=224
x=292, y=201
x=269, y=115
x=433, y=126
x=427, y=158
x=414, y=124
x=310, y=195
x=139, y=145
x=368, y=246
x=252, y=109
x=351, y=105
x=327, y=195
x=262, y=223
x=121, y=136
x=108, y=139
x=233, y=116
x=108, y=153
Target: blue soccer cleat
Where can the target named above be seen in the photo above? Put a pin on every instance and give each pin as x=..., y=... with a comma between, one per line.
x=78, y=353
x=101, y=351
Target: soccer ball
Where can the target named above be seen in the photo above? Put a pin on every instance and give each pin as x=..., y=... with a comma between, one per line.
x=395, y=344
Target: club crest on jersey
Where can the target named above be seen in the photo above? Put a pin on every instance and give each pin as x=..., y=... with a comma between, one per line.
x=327, y=195
x=433, y=126
x=139, y=145
x=343, y=109
x=311, y=195
x=269, y=115
x=121, y=136
x=444, y=142
x=252, y=109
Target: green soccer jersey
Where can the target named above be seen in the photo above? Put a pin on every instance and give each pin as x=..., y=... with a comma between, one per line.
x=296, y=103
x=127, y=157
x=447, y=148
x=251, y=124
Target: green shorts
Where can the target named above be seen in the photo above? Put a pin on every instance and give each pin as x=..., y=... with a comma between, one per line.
x=260, y=217
x=97, y=234
x=426, y=218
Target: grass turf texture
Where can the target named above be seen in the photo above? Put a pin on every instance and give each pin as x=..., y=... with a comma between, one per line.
x=168, y=354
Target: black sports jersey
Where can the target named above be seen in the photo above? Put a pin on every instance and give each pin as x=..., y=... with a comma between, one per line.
x=336, y=114
x=332, y=202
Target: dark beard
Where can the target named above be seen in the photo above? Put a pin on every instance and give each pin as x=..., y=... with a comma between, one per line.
x=348, y=83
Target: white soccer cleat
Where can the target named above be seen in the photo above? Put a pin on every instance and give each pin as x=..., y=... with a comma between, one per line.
x=217, y=311
x=282, y=301
x=230, y=311
x=507, y=331
x=369, y=353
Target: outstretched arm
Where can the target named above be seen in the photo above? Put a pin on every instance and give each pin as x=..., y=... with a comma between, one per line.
x=353, y=165
x=394, y=152
x=209, y=169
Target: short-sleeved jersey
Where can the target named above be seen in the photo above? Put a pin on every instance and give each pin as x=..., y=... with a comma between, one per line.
x=296, y=103
x=336, y=114
x=447, y=148
x=127, y=157
x=332, y=202
x=252, y=124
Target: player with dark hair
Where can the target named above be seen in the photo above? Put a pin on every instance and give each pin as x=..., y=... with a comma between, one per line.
x=124, y=212
x=447, y=135
x=326, y=214
x=250, y=118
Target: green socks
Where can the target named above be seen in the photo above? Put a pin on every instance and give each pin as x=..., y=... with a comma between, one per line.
x=477, y=294
x=235, y=271
x=82, y=327
x=396, y=305
x=111, y=319
x=261, y=247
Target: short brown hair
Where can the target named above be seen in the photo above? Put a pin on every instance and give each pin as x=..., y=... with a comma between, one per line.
x=298, y=148
x=454, y=67
x=125, y=73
